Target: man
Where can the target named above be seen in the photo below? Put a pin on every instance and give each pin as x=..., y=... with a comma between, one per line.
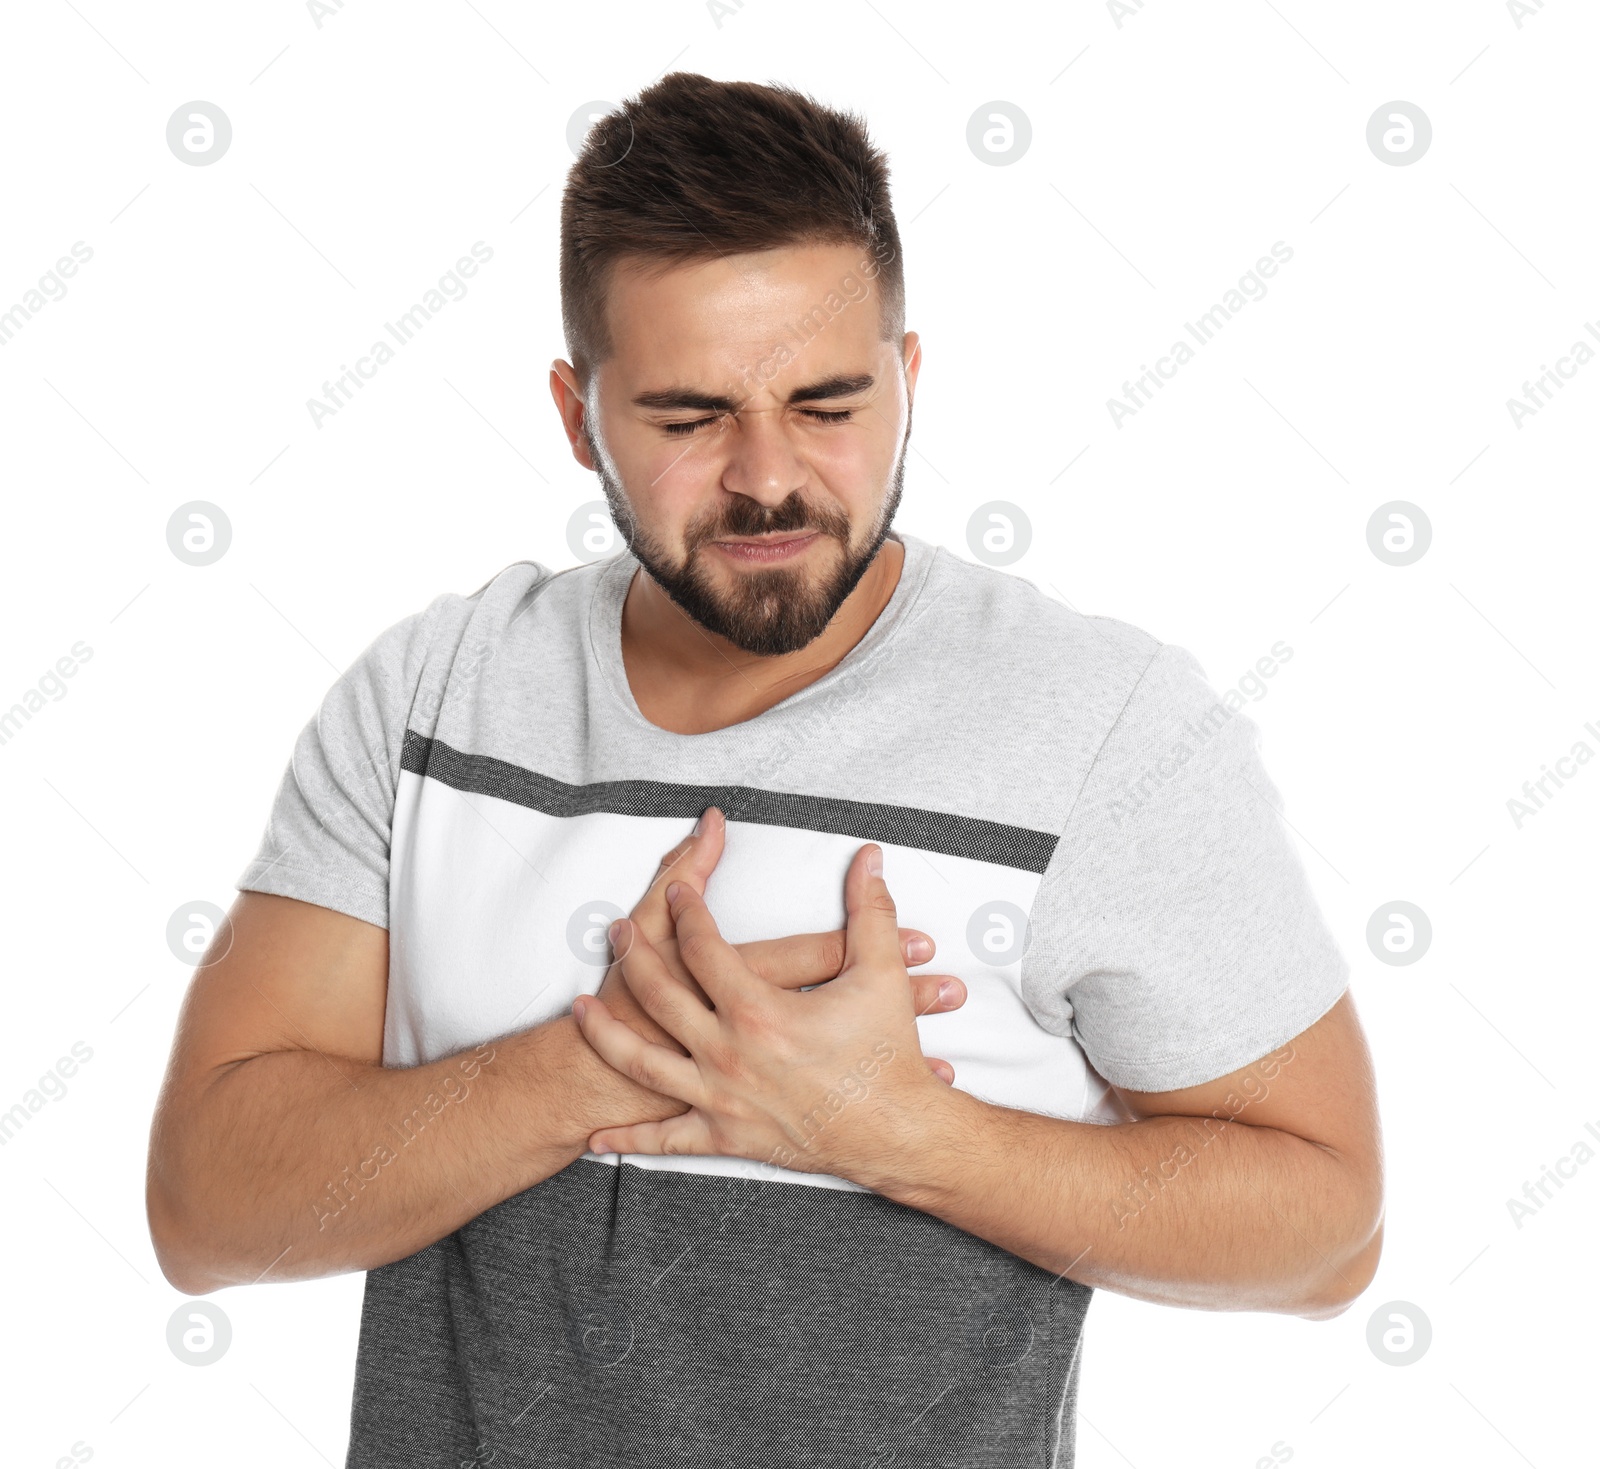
x=761, y=1195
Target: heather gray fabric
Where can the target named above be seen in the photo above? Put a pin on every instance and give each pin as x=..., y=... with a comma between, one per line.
x=733, y=1322
x=481, y=780
x=1175, y=931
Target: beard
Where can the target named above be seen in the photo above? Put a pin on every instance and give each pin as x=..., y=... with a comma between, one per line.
x=767, y=611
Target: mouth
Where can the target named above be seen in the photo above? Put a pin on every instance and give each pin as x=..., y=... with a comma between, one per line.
x=766, y=550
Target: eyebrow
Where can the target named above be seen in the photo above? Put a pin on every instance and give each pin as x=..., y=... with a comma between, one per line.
x=841, y=385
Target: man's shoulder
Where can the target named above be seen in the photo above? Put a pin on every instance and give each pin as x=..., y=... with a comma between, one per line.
x=501, y=605
x=453, y=637
x=508, y=594
x=998, y=625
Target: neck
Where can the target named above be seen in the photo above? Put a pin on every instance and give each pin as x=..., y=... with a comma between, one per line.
x=690, y=680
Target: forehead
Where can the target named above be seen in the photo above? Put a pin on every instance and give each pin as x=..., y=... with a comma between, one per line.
x=704, y=321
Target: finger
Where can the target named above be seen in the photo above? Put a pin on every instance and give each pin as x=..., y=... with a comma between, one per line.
x=688, y=856
x=686, y=1133
x=713, y=961
x=871, y=933
x=934, y=994
x=942, y=1069
x=693, y=861
x=623, y=1049
x=677, y=1008
x=814, y=958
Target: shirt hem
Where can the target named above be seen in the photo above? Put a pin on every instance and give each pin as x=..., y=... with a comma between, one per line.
x=316, y=886
x=1195, y=1068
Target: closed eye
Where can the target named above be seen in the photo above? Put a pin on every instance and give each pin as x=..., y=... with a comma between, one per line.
x=816, y=415
x=687, y=428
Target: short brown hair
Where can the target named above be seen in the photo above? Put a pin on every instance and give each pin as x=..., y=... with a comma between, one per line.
x=691, y=169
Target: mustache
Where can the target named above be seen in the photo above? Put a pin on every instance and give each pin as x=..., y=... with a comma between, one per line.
x=746, y=518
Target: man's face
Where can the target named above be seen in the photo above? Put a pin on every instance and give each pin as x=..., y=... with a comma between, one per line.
x=750, y=397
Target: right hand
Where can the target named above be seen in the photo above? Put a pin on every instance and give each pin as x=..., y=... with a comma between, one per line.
x=791, y=963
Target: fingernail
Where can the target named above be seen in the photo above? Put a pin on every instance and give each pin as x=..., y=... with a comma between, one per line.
x=578, y=1007
x=919, y=950
x=700, y=823
x=875, y=861
x=672, y=891
x=947, y=992
x=614, y=933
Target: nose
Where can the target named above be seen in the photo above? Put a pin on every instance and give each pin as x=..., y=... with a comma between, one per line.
x=761, y=461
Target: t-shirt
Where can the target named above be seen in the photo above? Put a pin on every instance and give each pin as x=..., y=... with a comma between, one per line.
x=1064, y=804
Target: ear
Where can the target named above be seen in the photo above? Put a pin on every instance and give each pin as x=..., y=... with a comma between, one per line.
x=570, y=405
x=911, y=357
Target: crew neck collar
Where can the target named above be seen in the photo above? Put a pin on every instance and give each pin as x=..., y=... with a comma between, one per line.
x=605, y=637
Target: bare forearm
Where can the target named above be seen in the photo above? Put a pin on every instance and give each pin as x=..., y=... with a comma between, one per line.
x=1176, y=1210
x=294, y=1164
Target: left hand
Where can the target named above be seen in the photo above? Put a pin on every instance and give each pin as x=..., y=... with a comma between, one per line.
x=822, y=1081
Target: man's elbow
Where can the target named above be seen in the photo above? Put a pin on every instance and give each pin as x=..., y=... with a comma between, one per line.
x=187, y=1281
x=177, y=1240
x=178, y=1265
x=1341, y=1281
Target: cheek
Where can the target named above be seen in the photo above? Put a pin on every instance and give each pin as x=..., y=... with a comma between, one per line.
x=671, y=472
x=652, y=466
x=859, y=454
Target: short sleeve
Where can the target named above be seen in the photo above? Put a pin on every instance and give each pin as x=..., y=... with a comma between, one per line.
x=328, y=832
x=1175, y=930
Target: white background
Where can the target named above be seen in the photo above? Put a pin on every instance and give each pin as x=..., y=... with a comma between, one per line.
x=1168, y=154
